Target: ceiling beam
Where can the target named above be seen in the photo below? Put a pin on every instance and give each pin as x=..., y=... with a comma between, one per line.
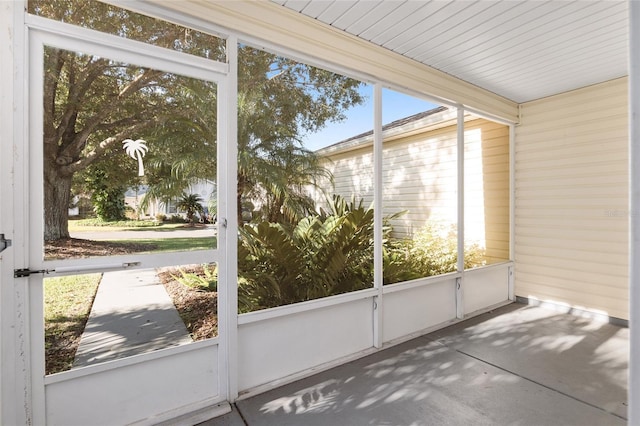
x=279, y=26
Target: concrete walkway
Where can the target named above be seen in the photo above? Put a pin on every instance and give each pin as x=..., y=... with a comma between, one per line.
x=131, y=314
x=518, y=365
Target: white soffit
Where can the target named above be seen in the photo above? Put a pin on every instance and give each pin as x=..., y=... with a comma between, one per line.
x=521, y=50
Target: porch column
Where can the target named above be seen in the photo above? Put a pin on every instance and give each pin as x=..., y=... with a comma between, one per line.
x=14, y=404
x=634, y=209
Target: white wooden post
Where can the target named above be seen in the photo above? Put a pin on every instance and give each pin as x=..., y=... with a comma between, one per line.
x=460, y=227
x=378, y=338
x=15, y=392
x=227, y=178
x=512, y=209
x=6, y=258
x=634, y=210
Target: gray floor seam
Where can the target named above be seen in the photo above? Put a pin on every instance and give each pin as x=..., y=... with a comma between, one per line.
x=534, y=381
x=240, y=414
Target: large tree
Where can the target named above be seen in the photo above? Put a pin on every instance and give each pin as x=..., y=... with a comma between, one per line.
x=92, y=104
x=279, y=100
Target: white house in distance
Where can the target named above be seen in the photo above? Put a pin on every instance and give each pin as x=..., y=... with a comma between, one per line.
x=134, y=197
x=420, y=177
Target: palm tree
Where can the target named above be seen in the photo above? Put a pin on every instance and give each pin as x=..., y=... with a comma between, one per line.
x=273, y=167
x=136, y=150
x=190, y=204
x=287, y=176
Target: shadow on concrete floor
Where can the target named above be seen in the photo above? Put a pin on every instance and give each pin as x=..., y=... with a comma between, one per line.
x=518, y=365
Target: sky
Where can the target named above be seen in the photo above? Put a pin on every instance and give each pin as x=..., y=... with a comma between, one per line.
x=360, y=118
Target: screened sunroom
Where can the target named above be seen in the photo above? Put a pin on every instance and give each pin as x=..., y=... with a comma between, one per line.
x=275, y=189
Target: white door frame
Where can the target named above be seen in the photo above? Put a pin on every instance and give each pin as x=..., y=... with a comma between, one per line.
x=26, y=188
x=14, y=367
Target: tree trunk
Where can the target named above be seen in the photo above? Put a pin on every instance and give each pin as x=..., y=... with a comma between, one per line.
x=57, y=194
x=239, y=207
x=242, y=183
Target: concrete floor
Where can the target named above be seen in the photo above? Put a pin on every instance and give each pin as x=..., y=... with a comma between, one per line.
x=517, y=365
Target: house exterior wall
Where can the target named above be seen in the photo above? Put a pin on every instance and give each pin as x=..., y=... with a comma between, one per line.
x=420, y=179
x=486, y=182
x=571, y=199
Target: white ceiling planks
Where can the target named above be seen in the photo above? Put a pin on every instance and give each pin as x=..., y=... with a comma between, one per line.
x=315, y=8
x=358, y=21
x=522, y=50
x=335, y=11
x=393, y=21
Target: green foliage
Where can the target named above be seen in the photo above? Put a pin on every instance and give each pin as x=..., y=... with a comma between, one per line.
x=396, y=262
x=332, y=252
x=161, y=217
x=124, y=23
x=108, y=204
x=287, y=175
x=191, y=204
x=322, y=255
x=432, y=251
x=175, y=218
x=116, y=224
x=93, y=103
x=107, y=199
x=279, y=100
x=204, y=279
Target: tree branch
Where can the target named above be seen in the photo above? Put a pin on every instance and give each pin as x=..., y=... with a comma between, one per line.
x=78, y=92
x=96, y=120
x=51, y=79
x=103, y=147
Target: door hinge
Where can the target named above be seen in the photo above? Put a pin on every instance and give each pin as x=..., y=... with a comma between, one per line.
x=4, y=243
x=20, y=273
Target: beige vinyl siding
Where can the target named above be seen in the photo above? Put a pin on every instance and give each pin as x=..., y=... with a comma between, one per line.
x=420, y=179
x=486, y=179
x=352, y=175
x=571, y=199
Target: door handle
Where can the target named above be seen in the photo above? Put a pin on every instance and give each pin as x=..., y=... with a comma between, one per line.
x=4, y=243
x=84, y=269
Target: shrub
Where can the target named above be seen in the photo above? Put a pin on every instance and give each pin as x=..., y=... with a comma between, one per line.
x=130, y=213
x=332, y=253
x=204, y=278
x=191, y=204
x=117, y=224
x=396, y=262
x=176, y=218
x=322, y=255
x=161, y=217
x=108, y=204
x=432, y=251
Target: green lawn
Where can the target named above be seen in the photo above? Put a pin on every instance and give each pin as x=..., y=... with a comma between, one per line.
x=67, y=304
x=175, y=244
